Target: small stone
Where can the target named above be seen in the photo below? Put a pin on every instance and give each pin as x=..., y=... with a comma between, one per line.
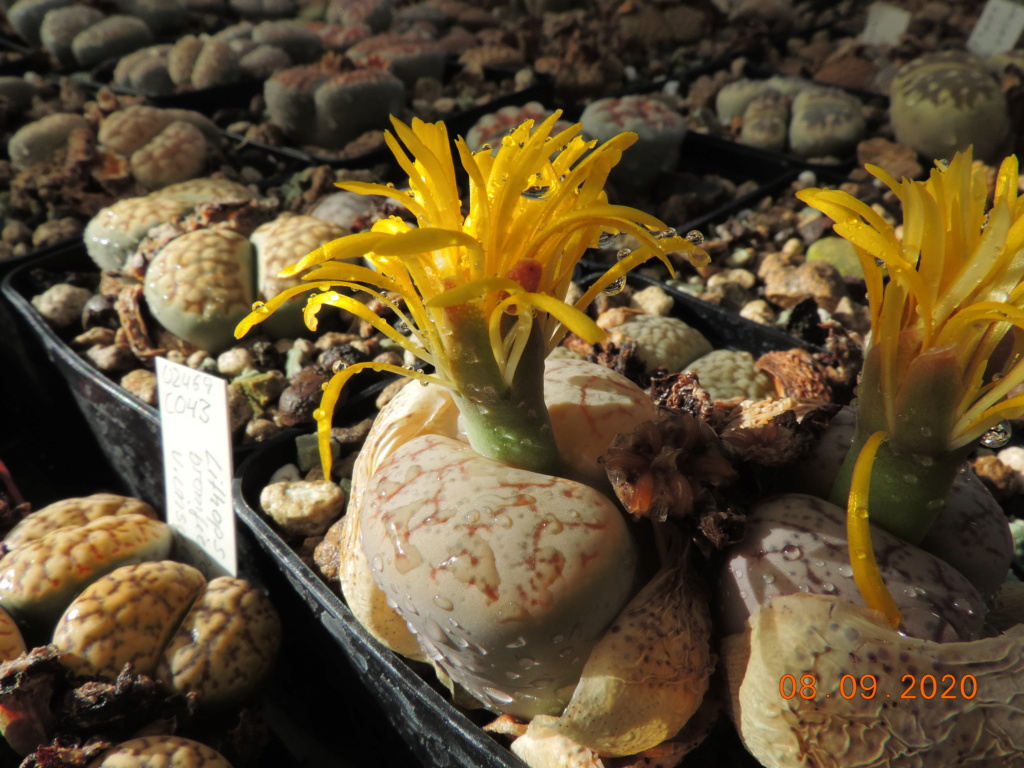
x=113, y=358
x=786, y=285
x=307, y=452
x=94, y=337
x=261, y=389
x=298, y=357
x=235, y=362
x=653, y=300
x=1001, y=480
x=240, y=410
x=100, y=312
x=303, y=508
x=142, y=384
x=57, y=231
x=759, y=311
x=61, y=305
x=302, y=396
x=259, y=430
x=197, y=358
x=16, y=232
x=839, y=252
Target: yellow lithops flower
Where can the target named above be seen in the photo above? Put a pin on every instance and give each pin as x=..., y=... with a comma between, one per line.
x=481, y=286
x=947, y=303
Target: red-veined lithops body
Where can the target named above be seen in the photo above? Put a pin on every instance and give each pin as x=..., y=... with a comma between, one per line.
x=508, y=577
x=161, y=752
x=68, y=513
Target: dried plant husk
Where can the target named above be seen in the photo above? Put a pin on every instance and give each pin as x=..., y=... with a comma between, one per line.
x=648, y=675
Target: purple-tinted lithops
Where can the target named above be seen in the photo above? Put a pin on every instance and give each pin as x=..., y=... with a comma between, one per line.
x=279, y=244
x=797, y=543
x=490, y=128
x=660, y=130
x=40, y=577
x=126, y=617
x=408, y=58
x=160, y=752
x=314, y=107
x=200, y=285
x=225, y=647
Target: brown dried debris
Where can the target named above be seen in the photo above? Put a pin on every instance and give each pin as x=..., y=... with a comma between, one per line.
x=682, y=393
x=775, y=433
x=676, y=467
x=1001, y=480
x=797, y=374
x=622, y=358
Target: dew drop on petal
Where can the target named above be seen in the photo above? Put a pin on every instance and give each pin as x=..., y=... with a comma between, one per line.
x=845, y=570
x=667, y=233
x=615, y=286
x=260, y=308
x=536, y=192
x=606, y=239
x=997, y=436
x=768, y=578
x=696, y=237
x=338, y=366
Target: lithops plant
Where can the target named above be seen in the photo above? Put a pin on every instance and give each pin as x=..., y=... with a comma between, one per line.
x=408, y=58
x=490, y=128
x=110, y=38
x=826, y=122
x=162, y=146
x=278, y=244
x=201, y=284
x=39, y=140
x=491, y=544
x=937, y=377
x=60, y=26
x=160, y=752
x=313, y=106
x=116, y=231
x=215, y=639
x=662, y=341
x=660, y=130
x=942, y=103
x=39, y=577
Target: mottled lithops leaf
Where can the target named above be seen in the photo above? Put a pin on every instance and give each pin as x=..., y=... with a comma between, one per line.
x=40, y=578
x=200, y=285
x=509, y=577
x=161, y=752
x=115, y=232
x=867, y=696
x=225, y=646
x=126, y=616
x=12, y=645
x=68, y=513
x=648, y=674
x=544, y=747
x=279, y=244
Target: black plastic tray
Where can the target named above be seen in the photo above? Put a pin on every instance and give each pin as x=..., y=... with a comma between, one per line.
x=126, y=429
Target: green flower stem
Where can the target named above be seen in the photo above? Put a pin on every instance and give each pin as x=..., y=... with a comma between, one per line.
x=915, y=468
x=506, y=423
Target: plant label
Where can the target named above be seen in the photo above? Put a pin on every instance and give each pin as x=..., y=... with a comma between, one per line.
x=885, y=24
x=998, y=29
x=196, y=437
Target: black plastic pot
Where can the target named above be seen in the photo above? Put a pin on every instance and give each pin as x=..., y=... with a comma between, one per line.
x=439, y=735
x=126, y=429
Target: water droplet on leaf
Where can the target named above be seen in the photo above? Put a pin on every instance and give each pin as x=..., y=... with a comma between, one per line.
x=695, y=236
x=615, y=286
x=792, y=552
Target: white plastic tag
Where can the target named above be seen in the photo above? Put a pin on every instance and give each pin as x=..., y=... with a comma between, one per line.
x=198, y=469
x=998, y=28
x=885, y=24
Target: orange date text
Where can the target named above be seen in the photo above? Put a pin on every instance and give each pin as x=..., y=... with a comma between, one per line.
x=806, y=686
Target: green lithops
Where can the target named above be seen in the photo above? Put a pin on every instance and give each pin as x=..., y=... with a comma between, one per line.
x=39, y=578
x=200, y=285
x=225, y=646
x=68, y=513
x=943, y=102
x=731, y=373
x=126, y=617
x=160, y=752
